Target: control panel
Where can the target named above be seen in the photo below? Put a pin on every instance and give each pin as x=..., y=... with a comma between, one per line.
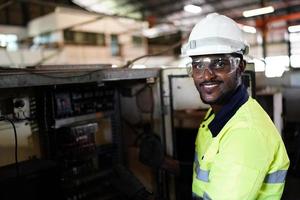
x=77, y=141
x=83, y=100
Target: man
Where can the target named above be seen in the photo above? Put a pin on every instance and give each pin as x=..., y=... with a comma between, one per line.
x=239, y=154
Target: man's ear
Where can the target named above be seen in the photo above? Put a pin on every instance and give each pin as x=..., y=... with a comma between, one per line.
x=242, y=66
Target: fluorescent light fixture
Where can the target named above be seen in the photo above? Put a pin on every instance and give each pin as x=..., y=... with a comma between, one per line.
x=293, y=29
x=192, y=9
x=159, y=30
x=85, y=3
x=248, y=29
x=259, y=11
x=100, y=9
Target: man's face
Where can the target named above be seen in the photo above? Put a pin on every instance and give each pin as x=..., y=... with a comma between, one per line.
x=216, y=77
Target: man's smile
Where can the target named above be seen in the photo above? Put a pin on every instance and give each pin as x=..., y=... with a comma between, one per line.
x=209, y=85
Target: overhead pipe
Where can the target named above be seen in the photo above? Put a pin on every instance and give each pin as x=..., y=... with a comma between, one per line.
x=270, y=19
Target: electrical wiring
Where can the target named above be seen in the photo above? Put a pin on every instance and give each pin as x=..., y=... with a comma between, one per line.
x=141, y=129
x=2, y=118
x=129, y=63
x=138, y=95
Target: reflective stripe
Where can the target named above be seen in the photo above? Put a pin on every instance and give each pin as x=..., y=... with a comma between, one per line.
x=206, y=197
x=202, y=174
x=276, y=177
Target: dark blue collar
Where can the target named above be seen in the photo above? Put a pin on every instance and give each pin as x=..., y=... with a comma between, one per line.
x=239, y=97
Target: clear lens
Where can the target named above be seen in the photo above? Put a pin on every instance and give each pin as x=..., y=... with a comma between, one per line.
x=216, y=65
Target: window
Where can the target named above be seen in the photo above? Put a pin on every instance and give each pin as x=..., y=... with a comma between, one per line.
x=100, y=39
x=115, y=46
x=84, y=38
x=68, y=36
x=276, y=65
x=295, y=49
x=137, y=41
x=9, y=41
x=44, y=38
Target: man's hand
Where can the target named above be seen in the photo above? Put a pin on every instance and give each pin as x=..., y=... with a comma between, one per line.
x=171, y=165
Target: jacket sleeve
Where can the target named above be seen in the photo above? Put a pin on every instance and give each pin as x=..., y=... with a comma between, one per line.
x=239, y=167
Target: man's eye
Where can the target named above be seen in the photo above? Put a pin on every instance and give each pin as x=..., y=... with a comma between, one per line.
x=198, y=65
x=219, y=64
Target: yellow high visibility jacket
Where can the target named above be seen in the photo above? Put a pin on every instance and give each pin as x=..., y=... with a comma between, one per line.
x=247, y=159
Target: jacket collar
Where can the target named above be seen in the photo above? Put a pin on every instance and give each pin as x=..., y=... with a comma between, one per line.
x=239, y=97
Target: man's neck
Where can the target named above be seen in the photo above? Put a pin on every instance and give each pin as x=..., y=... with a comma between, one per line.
x=223, y=113
x=216, y=108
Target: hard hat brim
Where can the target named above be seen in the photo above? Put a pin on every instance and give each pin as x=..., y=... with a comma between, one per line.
x=209, y=46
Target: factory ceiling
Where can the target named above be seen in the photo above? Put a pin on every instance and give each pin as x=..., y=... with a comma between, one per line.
x=287, y=12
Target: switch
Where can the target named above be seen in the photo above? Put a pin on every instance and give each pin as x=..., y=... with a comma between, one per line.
x=21, y=108
x=19, y=103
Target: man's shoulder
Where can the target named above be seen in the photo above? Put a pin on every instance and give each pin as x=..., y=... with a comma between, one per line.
x=252, y=119
x=251, y=112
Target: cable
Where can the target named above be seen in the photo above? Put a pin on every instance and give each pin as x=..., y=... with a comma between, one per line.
x=151, y=98
x=2, y=118
x=129, y=63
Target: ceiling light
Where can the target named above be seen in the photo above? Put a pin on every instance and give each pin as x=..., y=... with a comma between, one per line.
x=101, y=9
x=160, y=30
x=259, y=11
x=85, y=3
x=249, y=29
x=293, y=29
x=192, y=9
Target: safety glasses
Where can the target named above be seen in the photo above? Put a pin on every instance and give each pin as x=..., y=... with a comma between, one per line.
x=215, y=65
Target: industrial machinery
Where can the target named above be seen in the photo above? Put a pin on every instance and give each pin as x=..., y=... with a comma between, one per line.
x=82, y=126
x=72, y=128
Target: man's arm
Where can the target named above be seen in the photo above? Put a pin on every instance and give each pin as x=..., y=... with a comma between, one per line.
x=238, y=170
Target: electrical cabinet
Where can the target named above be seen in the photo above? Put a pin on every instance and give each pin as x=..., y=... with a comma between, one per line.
x=74, y=120
x=86, y=132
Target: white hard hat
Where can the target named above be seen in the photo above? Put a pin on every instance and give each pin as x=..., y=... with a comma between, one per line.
x=216, y=34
